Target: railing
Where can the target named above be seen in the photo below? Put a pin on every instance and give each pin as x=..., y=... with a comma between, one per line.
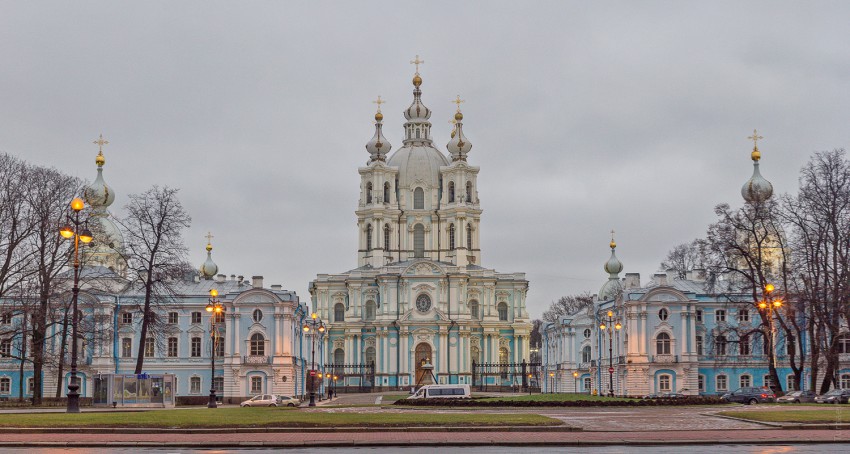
x=256, y=359
x=665, y=359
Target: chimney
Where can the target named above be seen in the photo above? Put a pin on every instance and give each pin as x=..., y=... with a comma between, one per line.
x=632, y=280
x=241, y=279
x=277, y=287
x=232, y=277
x=257, y=281
x=672, y=274
x=660, y=278
x=219, y=278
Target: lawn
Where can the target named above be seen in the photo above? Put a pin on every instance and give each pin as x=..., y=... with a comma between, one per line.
x=264, y=417
x=830, y=416
x=554, y=398
x=390, y=398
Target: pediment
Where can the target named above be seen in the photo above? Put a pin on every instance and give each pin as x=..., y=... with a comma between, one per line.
x=256, y=297
x=424, y=268
x=665, y=295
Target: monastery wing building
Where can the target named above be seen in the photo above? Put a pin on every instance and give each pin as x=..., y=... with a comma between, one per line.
x=420, y=308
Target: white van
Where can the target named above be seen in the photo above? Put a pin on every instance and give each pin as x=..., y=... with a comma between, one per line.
x=442, y=392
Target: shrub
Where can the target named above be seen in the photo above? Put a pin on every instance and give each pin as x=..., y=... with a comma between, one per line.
x=694, y=400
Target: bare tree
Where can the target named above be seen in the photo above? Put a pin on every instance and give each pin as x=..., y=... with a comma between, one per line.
x=567, y=305
x=685, y=257
x=15, y=222
x=155, y=253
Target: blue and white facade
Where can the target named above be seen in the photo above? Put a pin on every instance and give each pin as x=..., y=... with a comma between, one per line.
x=419, y=296
x=261, y=346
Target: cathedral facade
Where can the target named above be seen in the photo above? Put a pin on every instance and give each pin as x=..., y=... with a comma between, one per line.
x=420, y=308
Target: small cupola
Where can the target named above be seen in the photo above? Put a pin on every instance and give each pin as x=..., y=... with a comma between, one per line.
x=378, y=147
x=458, y=145
x=757, y=189
x=209, y=268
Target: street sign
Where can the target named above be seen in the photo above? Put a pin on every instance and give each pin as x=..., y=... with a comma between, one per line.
x=610, y=370
x=312, y=373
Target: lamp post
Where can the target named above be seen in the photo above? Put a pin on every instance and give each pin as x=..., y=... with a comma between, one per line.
x=770, y=304
x=215, y=308
x=611, y=326
x=552, y=381
x=315, y=324
x=575, y=381
x=79, y=231
x=334, y=386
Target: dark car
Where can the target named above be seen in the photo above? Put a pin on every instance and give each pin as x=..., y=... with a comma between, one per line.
x=750, y=395
x=836, y=396
x=797, y=397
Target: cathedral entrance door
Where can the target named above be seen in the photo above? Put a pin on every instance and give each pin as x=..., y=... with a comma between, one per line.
x=423, y=357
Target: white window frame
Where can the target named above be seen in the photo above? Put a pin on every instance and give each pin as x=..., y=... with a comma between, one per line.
x=5, y=385
x=720, y=315
x=661, y=385
x=725, y=386
x=256, y=384
x=126, y=342
x=745, y=381
x=193, y=389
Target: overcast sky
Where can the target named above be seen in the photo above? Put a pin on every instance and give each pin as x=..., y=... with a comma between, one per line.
x=584, y=116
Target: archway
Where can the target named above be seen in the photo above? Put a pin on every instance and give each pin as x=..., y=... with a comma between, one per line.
x=422, y=357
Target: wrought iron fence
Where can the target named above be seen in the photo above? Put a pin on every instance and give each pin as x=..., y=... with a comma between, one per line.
x=351, y=377
x=496, y=376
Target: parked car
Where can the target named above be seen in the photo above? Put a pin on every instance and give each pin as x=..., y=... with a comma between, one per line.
x=271, y=400
x=796, y=397
x=836, y=396
x=750, y=395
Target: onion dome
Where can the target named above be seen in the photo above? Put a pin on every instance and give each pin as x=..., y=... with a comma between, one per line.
x=458, y=145
x=613, y=267
x=417, y=128
x=209, y=269
x=98, y=194
x=378, y=146
x=757, y=188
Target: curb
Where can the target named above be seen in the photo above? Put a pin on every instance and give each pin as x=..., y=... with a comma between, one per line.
x=237, y=430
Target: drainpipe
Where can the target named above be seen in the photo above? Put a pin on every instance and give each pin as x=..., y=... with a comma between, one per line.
x=115, y=331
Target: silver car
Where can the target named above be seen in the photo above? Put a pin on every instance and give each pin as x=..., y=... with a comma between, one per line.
x=270, y=400
x=796, y=397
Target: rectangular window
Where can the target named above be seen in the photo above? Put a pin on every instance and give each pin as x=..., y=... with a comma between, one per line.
x=701, y=383
x=664, y=383
x=126, y=318
x=699, y=345
x=721, y=383
x=196, y=318
x=746, y=381
x=768, y=382
x=256, y=385
x=195, y=385
x=126, y=347
x=6, y=318
x=196, y=347
x=150, y=347
x=699, y=315
x=790, y=384
x=743, y=315
x=172, y=347
x=720, y=315
x=5, y=385
x=173, y=318
x=587, y=384
x=844, y=344
x=6, y=347
x=219, y=346
x=744, y=346
x=31, y=385
x=218, y=384
x=219, y=317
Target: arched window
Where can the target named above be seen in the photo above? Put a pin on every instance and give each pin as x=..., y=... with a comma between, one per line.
x=258, y=345
x=419, y=241
x=662, y=344
x=468, y=237
x=469, y=191
x=451, y=191
x=386, y=193
x=585, y=354
x=386, y=237
x=720, y=345
x=339, y=312
x=369, y=355
x=339, y=356
x=370, y=310
x=369, y=192
x=418, y=199
x=503, y=312
x=721, y=383
x=746, y=381
x=473, y=309
x=452, y=237
x=369, y=237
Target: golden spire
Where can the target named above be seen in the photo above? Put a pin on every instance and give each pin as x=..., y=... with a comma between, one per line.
x=100, y=160
x=457, y=101
x=417, y=81
x=613, y=243
x=209, y=237
x=378, y=115
x=756, y=154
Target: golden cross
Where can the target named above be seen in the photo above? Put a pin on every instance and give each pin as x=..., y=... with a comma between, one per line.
x=209, y=237
x=100, y=143
x=458, y=101
x=417, y=62
x=755, y=138
x=379, y=101
x=612, y=234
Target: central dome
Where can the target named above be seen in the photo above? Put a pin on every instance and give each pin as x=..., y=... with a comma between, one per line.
x=418, y=164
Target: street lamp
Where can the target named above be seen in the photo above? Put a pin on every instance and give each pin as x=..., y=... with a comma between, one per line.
x=770, y=304
x=334, y=386
x=215, y=308
x=79, y=231
x=612, y=324
x=575, y=382
x=315, y=324
x=552, y=380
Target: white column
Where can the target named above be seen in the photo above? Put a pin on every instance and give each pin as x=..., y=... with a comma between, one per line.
x=228, y=327
x=237, y=339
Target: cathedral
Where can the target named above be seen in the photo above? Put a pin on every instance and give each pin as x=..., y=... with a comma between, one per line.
x=420, y=308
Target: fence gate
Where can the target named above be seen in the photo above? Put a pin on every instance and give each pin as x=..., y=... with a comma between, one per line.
x=351, y=378
x=506, y=376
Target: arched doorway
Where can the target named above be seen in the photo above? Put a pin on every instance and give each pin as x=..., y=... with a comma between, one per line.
x=422, y=357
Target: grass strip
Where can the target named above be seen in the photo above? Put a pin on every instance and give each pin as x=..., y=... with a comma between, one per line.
x=557, y=398
x=265, y=417
x=830, y=416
